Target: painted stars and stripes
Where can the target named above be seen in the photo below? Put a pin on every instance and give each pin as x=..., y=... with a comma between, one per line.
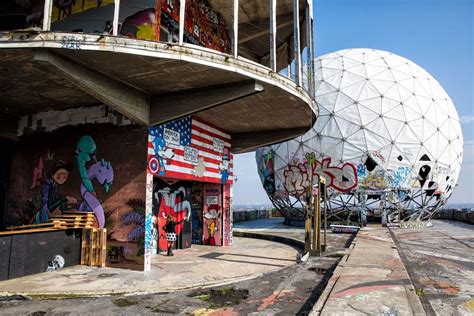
x=190, y=149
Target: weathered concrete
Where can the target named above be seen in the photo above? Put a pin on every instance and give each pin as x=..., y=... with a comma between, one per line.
x=440, y=261
x=465, y=215
x=167, y=107
x=280, y=111
x=371, y=280
x=123, y=98
x=250, y=215
x=194, y=267
x=286, y=291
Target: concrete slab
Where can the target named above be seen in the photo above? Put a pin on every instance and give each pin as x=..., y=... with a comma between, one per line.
x=370, y=280
x=440, y=261
x=194, y=267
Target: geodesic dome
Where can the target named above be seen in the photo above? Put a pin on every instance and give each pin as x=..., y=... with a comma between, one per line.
x=387, y=139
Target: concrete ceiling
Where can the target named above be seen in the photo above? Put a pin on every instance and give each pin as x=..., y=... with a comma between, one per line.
x=256, y=118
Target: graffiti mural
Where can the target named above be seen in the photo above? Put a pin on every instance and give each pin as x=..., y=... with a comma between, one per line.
x=197, y=218
x=266, y=169
x=90, y=168
x=52, y=202
x=64, y=8
x=173, y=199
x=140, y=25
x=190, y=149
x=213, y=216
x=299, y=176
x=101, y=171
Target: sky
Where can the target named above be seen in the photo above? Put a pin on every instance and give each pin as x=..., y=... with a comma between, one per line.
x=438, y=35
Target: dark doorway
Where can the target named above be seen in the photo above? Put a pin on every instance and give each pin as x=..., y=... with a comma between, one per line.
x=5, y=163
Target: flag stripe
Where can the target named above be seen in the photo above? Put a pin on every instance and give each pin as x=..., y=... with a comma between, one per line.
x=197, y=134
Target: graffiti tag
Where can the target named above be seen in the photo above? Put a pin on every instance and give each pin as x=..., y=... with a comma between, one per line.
x=71, y=42
x=298, y=176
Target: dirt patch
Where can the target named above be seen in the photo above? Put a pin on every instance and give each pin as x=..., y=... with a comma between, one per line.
x=317, y=270
x=222, y=297
x=124, y=302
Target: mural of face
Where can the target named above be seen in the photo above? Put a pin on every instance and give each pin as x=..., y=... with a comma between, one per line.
x=60, y=176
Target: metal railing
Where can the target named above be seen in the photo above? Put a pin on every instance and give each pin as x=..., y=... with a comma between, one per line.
x=211, y=24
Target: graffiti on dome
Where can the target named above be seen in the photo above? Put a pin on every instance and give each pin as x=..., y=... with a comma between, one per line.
x=298, y=176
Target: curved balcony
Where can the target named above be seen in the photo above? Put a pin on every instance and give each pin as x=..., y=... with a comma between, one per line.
x=234, y=63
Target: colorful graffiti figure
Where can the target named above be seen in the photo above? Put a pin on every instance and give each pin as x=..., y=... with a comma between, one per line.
x=85, y=152
x=175, y=203
x=212, y=224
x=140, y=25
x=103, y=172
x=50, y=197
x=224, y=166
x=161, y=152
x=374, y=181
x=266, y=170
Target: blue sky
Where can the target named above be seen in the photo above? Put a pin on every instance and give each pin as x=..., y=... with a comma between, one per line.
x=438, y=35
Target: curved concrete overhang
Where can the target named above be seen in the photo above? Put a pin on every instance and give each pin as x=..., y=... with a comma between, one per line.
x=151, y=83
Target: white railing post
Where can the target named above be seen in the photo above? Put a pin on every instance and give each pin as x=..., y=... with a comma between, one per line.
x=296, y=40
x=182, y=10
x=310, y=45
x=273, y=32
x=48, y=8
x=235, y=29
x=116, y=17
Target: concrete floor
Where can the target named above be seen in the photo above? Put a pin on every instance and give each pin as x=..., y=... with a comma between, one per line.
x=284, y=288
x=440, y=262
x=197, y=266
x=372, y=280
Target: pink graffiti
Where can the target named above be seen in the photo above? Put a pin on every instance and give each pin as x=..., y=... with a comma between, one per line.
x=37, y=173
x=298, y=176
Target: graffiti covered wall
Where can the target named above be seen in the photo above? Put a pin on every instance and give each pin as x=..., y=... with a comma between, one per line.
x=175, y=200
x=190, y=149
x=95, y=168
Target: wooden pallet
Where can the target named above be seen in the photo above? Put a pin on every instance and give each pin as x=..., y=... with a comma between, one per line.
x=94, y=247
x=28, y=231
x=76, y=219
x=52, y=224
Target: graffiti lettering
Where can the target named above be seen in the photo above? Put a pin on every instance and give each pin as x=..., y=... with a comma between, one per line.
x=71, y=42
x=298, y=176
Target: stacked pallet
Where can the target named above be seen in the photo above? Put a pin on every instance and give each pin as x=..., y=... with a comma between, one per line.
x=94, y=247
x=71, y=220
x=34, y=228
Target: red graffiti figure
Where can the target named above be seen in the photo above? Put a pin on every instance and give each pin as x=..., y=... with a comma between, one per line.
x=172, y=203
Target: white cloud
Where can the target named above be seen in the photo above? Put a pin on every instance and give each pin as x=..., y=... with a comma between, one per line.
x=466, y=119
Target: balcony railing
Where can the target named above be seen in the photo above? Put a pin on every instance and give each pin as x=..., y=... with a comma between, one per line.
x=277, y=34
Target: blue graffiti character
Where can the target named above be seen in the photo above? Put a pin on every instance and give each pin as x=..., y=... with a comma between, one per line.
x=161, y=153
x=224, y=167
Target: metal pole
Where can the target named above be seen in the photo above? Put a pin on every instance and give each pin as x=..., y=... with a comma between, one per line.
x=307, y=223
x=116, y=17
x=235, y=29
x=310, y=46
x=182, y=10
x=325, y=214
x=318, y=226
x=315, y=218
x=296, y=40
x=48, y=7
x=273, y=32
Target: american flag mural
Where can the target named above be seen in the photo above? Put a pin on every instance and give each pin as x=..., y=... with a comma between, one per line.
x=190, y=149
